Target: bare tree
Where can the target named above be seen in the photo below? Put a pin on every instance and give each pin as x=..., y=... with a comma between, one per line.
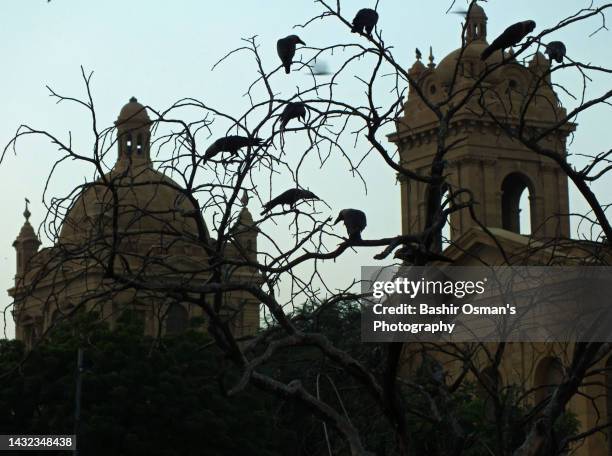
x=216, y=261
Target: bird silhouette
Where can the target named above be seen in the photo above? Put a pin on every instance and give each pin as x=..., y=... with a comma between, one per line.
x=511, y=36
x=295, y=110
x=231, y=144
x=355, y=222
x=286, y=50
x=288, y=198
x=365, y=19
x=555, y=51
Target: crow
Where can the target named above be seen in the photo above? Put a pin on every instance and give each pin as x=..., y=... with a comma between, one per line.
x=355, y=222
x=289, y=198
x=555, y=51
x=417, y=255
x=286, y=50
x=292, y=111
x=365, y=19
x=511, y=36
x=231, y=144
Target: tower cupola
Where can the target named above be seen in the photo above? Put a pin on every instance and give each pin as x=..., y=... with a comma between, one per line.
x=133, y=136
x=26, y=244
x=476, y=24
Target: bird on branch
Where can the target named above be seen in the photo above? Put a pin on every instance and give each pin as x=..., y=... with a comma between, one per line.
x=295, y=110
x=365, y=19
x=510, y=37
x=355, y=222
x=286, y=50
x=555, y=51
x=289, y=198
x=231, y=144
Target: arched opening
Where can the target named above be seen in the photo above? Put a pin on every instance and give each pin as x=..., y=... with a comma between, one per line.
x=128, y=144
x=548, y=375
x=139, y=144
x=516, y=204
x=446, y=228
x=177, y=319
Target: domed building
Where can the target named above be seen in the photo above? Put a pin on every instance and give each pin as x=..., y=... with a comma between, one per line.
x=520, y=197
x=133, y=223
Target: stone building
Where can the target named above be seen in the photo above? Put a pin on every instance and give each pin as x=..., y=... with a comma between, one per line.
x=499, y=172
x=138, y=218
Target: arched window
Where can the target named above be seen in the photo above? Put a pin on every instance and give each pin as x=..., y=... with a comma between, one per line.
x=516, y=204
x=139, y=144
x=177, y=319
x=128, y=144
x=548, y=375
x=446, y=228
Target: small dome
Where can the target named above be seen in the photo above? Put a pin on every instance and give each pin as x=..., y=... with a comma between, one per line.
x=477, y=12
x=417, y=68
x=133, y=111
x=26, y=232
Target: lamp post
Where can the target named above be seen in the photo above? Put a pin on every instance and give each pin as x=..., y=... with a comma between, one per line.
x=77, y=402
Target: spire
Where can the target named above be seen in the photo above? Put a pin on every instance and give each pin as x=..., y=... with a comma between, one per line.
x=133, y=135
x=476, y=29
x=27, y=213
x=27, y=242
x=431, y=58
x=245, y=199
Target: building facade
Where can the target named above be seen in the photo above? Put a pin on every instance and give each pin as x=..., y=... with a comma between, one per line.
x=143, y=222
x=498, y=170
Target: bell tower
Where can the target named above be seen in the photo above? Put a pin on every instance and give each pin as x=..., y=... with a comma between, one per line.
x=133, y=136
x=496, y=169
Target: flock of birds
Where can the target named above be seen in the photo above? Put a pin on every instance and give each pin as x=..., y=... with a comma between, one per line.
x=364, y=22
x=514, y=34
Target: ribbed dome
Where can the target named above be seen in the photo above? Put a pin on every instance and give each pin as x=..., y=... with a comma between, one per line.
x=133, y=111
x=472, y=64
x=151, y=211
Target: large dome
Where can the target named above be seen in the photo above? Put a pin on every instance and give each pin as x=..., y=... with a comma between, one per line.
x=151, y=211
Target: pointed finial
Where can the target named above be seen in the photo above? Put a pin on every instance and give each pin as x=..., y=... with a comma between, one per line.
x=245, y=199
x=431, y=58
x=133, y=100
x=27, y=213
x=418, y=54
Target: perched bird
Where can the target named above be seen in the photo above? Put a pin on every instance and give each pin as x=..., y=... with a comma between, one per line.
x=286, y=50
x=418, y=53
x=511, y=36
x=417, y=254
x=295, y=110
x=230, y=144
x=365, y=19
x=555, y=51
x=355, y=222
x=289, y=198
